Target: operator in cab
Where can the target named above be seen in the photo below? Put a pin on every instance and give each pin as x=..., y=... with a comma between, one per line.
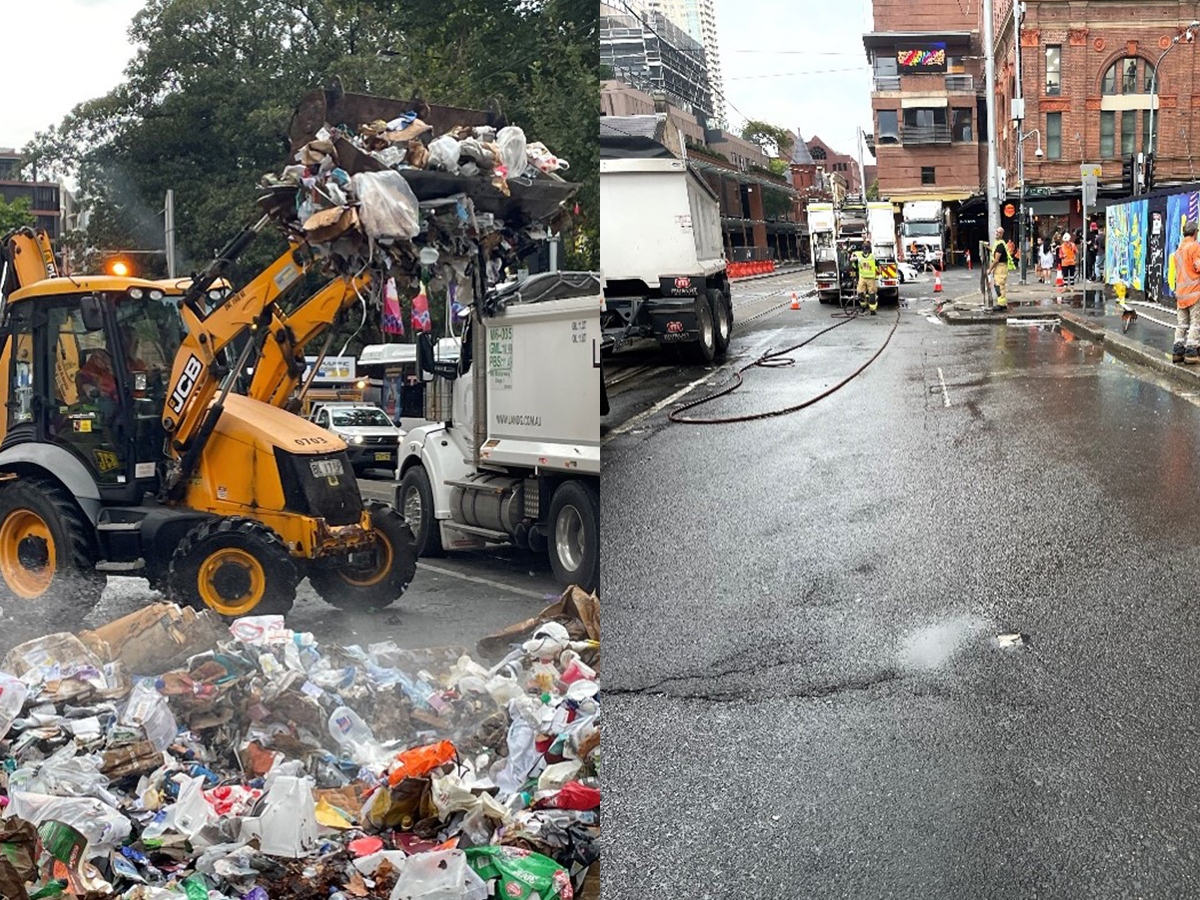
x=868, y=290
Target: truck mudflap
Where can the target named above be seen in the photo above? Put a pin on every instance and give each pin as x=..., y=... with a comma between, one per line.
x=674, y=320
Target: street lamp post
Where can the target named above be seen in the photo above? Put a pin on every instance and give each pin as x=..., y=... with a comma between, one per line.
x=1190, y=35
x=1021, y=138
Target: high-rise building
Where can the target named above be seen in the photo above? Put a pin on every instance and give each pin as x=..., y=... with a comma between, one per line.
x=645, y=49
x=699, y=20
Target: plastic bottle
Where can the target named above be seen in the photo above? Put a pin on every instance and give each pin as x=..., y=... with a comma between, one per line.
x=12, y=698
x=355, y=736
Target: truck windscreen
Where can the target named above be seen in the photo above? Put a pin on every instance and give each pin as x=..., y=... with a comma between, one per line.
x=922, y=229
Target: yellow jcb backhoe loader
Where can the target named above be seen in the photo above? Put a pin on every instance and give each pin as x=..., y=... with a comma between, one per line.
x=125, y=448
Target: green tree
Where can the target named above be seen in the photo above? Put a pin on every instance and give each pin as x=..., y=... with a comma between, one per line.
x=778, y=166
x=771, y=139
x=207, y=99
x=873, y=190
x=15, y=215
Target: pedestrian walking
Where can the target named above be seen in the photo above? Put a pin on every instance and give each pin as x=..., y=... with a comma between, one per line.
x=1099, y=258
x=868, y=291
x=1001, y=261
x=1187, y=292
x=1068, y=253
x=1047, y=260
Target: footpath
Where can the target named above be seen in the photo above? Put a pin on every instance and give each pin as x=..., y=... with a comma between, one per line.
x=1143, y=338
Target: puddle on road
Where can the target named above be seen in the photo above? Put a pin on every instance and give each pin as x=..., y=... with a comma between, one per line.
x=932, y=646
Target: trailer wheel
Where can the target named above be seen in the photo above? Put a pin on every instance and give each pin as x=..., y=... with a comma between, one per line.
x=235, y=567
x=382, y=579
x=47, y=560
x=704, y=350
x=415, y=502
x=573, y=535
x=722, y=321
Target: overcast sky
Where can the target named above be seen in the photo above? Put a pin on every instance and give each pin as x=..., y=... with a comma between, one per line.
x=777, y=55
x=58, y=53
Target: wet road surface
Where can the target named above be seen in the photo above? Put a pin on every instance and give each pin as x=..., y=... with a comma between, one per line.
x=807, y=695
x=453, y=600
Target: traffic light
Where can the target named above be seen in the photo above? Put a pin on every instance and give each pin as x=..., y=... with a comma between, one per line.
x=1148, y=173
x=1128, y=172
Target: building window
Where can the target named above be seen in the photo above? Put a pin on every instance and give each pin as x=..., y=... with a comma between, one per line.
x=1122, y=77
x=962, y=126
x=955, y=65
x=1054, y=135
x=1054, y=69
x=1108, y=130
x=816, y=152
x=1128, y=131
x=928, y=175
x=886, y=66
x=888, y=129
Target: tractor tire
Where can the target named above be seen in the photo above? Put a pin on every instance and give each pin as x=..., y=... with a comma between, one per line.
x=235, y=567
x=703, y=351
x=48, y=577
x=722, y=321
x=573, y=535
x=380, y=584
x=415, y=504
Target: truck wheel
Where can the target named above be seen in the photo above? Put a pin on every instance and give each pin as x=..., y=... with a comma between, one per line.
x=722, y=321
x=235, y=567
x=379, y=582
x=47, y=560
x=573, y=535
x=415, y=497
x=704, y=350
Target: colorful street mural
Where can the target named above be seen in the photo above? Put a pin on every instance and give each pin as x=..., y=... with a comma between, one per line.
x=1125, y=249
x=1180, y=208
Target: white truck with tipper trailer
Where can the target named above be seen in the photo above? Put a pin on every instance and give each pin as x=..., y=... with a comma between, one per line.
x=661, y=251
x=837, y=232
x=923, y=230
x=510, y=461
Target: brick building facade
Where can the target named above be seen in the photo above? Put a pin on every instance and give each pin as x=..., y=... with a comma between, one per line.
x=1086, y=76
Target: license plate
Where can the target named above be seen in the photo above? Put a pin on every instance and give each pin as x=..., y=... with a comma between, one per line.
x=324, y=468
x=383, y=457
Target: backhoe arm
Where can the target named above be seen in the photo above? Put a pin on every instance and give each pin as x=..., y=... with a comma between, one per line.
x=282, y=363
x=198, y=370
x=26, y=258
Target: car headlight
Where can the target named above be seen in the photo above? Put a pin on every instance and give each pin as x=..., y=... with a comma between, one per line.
x=357, y=439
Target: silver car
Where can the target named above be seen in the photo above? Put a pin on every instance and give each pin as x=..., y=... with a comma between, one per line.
x=372, y=440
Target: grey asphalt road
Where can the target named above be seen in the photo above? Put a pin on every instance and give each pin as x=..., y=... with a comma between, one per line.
x=453, y=600
x=806, y=691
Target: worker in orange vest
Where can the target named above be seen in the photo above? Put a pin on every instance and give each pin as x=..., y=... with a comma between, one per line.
x=1187, y=292
x=1068, y=253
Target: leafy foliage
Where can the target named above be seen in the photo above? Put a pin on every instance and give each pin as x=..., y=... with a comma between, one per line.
x=771, y=139
x=15, y=215
x=208, y=96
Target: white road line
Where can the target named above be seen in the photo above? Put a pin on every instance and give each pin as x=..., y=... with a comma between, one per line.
x=657, y=407
x=627, y=374
x=500, y=585
x=945, y=392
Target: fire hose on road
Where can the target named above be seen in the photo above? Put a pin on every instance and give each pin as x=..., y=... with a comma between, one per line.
x=777, y=359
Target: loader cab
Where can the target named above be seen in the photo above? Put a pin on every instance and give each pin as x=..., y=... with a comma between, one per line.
x=86, y=363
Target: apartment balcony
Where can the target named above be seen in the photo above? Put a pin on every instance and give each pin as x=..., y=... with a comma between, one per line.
x=887, y=83
x=960, y=83
x=916, y=135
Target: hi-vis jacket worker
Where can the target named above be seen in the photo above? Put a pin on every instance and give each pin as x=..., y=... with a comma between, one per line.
x=868, y=291
x=1001, y=263
x=1187, y=293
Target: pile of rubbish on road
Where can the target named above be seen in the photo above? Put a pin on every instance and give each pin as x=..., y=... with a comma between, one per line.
x=167, y=756
x=398, y=179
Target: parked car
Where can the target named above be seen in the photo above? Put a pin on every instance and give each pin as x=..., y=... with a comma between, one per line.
x=371, y=437
x=906, y=272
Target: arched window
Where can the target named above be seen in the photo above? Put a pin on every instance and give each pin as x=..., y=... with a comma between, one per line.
x=817, y=152
x=1122, y=77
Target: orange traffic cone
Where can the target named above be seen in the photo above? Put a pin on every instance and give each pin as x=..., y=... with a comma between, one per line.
x=1058, y=280
x=937, y=281
x=795, y=301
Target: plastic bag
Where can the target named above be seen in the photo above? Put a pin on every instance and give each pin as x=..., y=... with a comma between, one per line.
x=389, y=209
x=444, y=153
x=148, y=708
x=520, y=873
x=440, y=875
x=103, y=826
x=546, y=161
x=419, y=761
x=511, y=141
x=522, y=753
x=288, y=825
x=12, y=697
